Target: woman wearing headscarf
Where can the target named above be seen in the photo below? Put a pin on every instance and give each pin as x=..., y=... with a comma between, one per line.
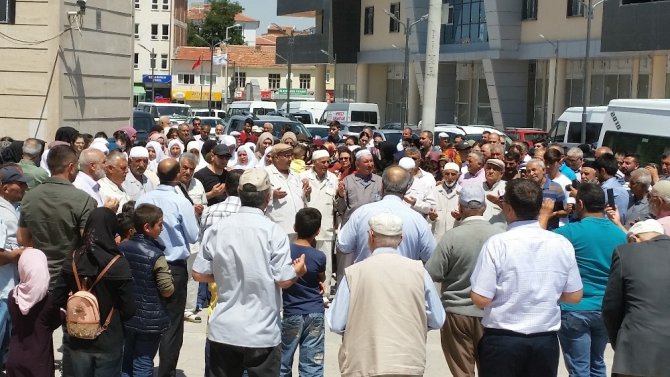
x=13, y=152
x=34, y=317
x=244, y=158
x=175, y=149
x=290, y=139
x=156, y=155
x=267, y=158
x=101, y=356
x=265, y=140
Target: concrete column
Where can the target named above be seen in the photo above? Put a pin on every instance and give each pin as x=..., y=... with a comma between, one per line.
x=559, y=105
x=432, y=65
x=361, y=83
x=413, y=97
x=659, y=67
x=552, y=93
x=320, y=83
x=635, y=77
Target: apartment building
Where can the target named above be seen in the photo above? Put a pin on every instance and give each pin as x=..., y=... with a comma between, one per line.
x=508, y=63
x=159, y=28
x=65, y=65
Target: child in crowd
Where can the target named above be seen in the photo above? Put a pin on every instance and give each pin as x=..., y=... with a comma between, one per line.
x=34, y=318
x=299, y=157
x=303, y=322
x=152, y=276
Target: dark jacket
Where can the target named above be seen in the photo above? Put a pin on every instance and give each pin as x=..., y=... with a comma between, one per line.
x=151, y=315
x=636, y=305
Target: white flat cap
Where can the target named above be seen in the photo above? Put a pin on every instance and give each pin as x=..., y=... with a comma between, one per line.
x=387, y=224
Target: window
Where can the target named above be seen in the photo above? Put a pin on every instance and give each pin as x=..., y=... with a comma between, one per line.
x=328, y=75
x=136, y=61
x=187, y=78
x=305, y=80
x=154, y=4
x=529, y=11
x=166, y=4
x=164, y=61
x=137, y=4
x=240, y=79
x=364, y=116
x=369, y=21
x=465, y=22
x=204, y=79
x=575, y=8
x=274, y=81
x=137, y=31
x=166, y=32
x=154, y=31
x=649, y=147
x=394, y=26
x=7, y=11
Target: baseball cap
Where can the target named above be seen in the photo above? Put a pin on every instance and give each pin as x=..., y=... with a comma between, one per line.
x=12, y=174
x=496, y=162
x=662, y=188
x=387, y=224
x=646, y=226
x=256, y=129
x=463, y=146
x=472, y=196
x=221, y=150
x=254, y=180
x=443, y=135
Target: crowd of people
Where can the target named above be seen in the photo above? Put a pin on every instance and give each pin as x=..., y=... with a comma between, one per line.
x=516, y=254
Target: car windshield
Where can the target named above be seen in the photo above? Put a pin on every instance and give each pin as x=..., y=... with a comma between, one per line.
x=318, y=131
x=393, y=137
x=277, y=126
x=173, y=110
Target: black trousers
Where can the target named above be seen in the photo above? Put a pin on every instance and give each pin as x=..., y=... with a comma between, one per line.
x=172, y=339
x=231, y=361
x=508, y=354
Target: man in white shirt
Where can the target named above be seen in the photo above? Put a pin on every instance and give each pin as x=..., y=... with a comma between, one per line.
x=519, y=279
x=446, y=197
x=419, y=196
x=91, y=170
x=116, y=167
x=139, y=180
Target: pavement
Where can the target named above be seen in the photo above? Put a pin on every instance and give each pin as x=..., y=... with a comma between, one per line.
x=192, y=358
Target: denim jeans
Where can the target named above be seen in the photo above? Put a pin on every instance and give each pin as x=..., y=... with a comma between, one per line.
x=138, y=353
x=5, y=326
x=306, y=331
x=87, y=364
x=583, y=338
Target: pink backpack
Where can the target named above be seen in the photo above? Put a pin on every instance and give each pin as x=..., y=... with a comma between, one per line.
x=82, y=318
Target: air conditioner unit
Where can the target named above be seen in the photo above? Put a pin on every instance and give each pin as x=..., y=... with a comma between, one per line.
x=154, y=37
x=165, y=37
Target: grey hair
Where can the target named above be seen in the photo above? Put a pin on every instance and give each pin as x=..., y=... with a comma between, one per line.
x=537, y=161
x=642, y=176
x=114, y=156
x=399, y=188
x=498, y=148
x=478, y=155
x=31, y=147
x=86, y=156
x=382, y=240
x=412, y=150
x=575, y=152
x=190, y=157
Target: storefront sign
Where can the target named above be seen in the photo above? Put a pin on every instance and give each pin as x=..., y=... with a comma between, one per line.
x=158, y=79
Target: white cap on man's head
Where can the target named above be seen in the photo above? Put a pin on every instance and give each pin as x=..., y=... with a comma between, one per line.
x=451, y=166
x=387, y=224
x=254, y=180
x=472, y=196
x=321, y=153
x=443, y=135
x=407, y=163
x=139, y=152
x=646, y=226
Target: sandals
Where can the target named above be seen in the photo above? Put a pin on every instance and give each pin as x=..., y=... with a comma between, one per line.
x=192, y=317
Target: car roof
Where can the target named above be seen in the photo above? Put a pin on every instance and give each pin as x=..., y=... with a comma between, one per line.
x=315, y=126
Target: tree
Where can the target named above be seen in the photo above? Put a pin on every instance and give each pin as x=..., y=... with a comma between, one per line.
x=213, y=29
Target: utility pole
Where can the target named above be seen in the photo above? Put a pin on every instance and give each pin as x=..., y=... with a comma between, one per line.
x=225, y=41
x=152, y=56
x=289, y=79
x=334, y=57
x=589, y=17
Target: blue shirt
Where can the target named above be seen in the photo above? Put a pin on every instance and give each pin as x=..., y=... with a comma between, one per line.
x=565, y=169
x=338, y=315
x=621, y=196
x=304, y=297
x=180, y=226
x=417, y=243
x=594, y=257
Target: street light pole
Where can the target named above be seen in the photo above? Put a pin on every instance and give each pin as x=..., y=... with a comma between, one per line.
x=554, y=44
x=334, y=57
x=225, y=91
x=289, y=79
x=152, y=56
x=587, y=69
x=404, y=109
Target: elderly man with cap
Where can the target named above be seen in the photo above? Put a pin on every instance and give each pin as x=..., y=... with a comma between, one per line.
x=250, y=271
x=494, y=187
x=13, y=185
x=475, y=172
x=361, y=308
x=323, y=185
x=268, y=127
x=419, y=196
x=360, y=188
x=288, y=190
x=213, y=176
x=446, y=196
x=659, y=203
x=452, y=264
x=463, y=150
x=111, y=186
x=139, y=180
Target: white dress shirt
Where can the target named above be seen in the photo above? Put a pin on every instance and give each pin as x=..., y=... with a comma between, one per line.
x=282, y=211
x=422, y=190
x=322, y=198
x=109, y=190
x=88, y=185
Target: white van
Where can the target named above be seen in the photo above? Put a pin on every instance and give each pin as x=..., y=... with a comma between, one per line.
x=177, y=112
x=251, y=107
x=640, y=126
x=312, y=107
x=567, y=130
x=352, y=112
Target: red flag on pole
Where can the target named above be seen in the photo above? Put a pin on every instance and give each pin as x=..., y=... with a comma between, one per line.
x=197, y=64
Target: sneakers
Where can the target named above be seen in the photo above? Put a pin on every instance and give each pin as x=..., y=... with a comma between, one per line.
x=192, y=317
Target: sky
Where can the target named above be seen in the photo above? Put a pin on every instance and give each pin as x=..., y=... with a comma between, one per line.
x=266, y=12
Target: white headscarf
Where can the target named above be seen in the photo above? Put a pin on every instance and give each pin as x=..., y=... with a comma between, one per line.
x=153, y=164
x=268, y=150
x=172, y=143
x=250, y=156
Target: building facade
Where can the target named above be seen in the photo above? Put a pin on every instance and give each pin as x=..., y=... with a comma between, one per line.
x=63, y=65
x=508, y=63
x=159, y=28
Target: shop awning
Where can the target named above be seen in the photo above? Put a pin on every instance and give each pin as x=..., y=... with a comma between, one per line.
x=139, y=91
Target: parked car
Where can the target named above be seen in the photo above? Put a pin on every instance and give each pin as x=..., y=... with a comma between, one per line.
x=210, y=121
x=398, y=126
x=393, y=136
x=143, y=122
x=529, y=135
x=468, y=132
x=318, y=130
x=236, y=123
x=176, y=111
x=567, y=129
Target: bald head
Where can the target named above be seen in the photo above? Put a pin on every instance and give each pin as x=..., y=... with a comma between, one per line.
x=395, y=181
x=167, y=171
x=601, y=151
x=92, y=163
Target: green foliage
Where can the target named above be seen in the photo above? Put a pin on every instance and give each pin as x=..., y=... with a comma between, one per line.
x=213, y=28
